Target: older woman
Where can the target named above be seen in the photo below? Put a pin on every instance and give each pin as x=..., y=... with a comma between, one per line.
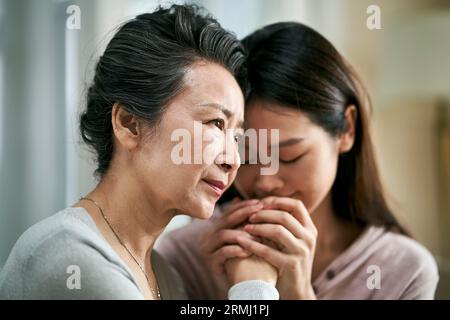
x=172, y=69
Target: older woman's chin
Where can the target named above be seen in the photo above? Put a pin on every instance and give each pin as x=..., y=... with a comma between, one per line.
x=203, y=210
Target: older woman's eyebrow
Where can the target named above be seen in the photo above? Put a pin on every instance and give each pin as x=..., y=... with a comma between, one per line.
x=219, y=107
x=227, y=112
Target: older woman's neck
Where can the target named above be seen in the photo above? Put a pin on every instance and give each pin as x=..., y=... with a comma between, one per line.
x=136, y=220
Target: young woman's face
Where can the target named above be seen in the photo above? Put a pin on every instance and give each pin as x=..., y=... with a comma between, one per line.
x=308, y=157
x=211, y=104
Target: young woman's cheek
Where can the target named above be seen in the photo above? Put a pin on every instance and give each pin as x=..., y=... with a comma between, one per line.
x=313, y=179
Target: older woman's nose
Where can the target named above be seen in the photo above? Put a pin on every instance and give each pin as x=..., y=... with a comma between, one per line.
x=229, y=160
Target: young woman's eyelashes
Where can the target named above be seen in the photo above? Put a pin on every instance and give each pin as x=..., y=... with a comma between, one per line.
x=292, y=160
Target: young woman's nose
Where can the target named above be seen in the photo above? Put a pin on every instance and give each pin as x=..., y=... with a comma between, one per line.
x=268, y=184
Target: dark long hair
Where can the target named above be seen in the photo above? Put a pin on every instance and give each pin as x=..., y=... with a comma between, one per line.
x=293, y=65
x=143, y=68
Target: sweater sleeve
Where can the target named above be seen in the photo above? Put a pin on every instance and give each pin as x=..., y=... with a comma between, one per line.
x=253, y=290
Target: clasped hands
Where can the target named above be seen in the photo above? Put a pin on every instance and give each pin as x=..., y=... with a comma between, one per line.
x=272, y=239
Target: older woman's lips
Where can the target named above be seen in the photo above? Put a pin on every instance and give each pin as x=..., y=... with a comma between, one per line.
x=217, y=186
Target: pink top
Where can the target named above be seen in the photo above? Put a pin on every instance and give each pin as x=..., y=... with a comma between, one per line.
x=407, y=270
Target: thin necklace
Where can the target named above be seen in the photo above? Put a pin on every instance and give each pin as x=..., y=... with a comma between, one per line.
x=156, y=294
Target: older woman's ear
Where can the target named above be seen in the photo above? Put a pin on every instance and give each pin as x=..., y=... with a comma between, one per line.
x=125, y=127
x=347, y=138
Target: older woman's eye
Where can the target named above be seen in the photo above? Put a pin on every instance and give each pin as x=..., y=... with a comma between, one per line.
x=219, y=123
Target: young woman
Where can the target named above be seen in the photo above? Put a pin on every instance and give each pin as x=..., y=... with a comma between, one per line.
x=322, y=222
x=161, y=72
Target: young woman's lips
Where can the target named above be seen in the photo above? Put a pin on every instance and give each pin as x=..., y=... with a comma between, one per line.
x=217, y=186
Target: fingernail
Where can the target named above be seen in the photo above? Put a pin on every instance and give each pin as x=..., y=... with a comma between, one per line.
x=248, y=227
x=252, y=217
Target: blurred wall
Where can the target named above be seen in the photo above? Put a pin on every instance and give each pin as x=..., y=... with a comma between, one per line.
x=32, y=160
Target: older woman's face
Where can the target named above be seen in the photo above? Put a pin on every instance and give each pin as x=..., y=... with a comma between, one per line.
x=308, y=157
x=192, y=155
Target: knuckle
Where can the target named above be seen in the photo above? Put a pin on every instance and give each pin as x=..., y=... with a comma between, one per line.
x=293, y=264
x=302, y=249
x=256, y=216
x=298, y=204
x=310, y=241
x=268, y=200
x=315, y=232
x=235, y=250
x=278, y=231
x=222, y=254
x=285, y=218
x=314, y=236
x=227, y=250
x=265, y=252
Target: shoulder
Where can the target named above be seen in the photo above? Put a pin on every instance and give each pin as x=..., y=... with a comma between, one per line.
x=45, y=257
x=51, y=233
x=406, y=251
x=407, y=263
x=66, y=230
